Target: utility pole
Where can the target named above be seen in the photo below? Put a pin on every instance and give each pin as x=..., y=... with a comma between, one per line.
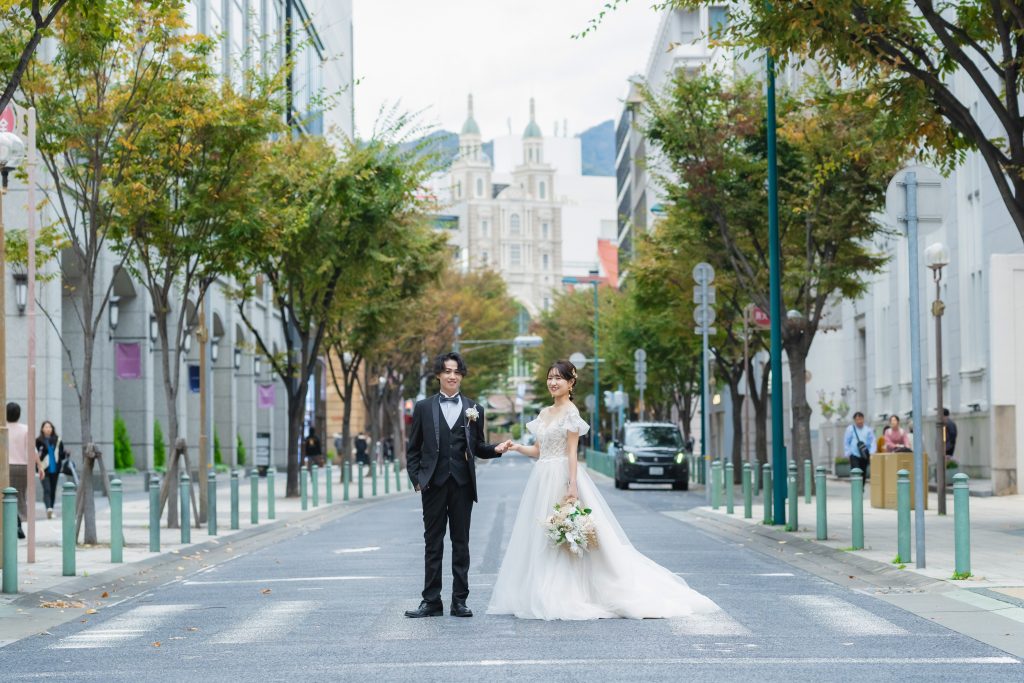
x=704, y=316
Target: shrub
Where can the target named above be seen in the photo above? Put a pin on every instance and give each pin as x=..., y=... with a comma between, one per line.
x=217, y=460
x=159, y=449
x=123, y=458
x=842, y=460
x=240, y=450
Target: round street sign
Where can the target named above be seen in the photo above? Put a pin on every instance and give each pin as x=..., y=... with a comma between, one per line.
x=703, y=273
x=639, y=354
x=703, y=315
x=579, y=360
x=7, y=120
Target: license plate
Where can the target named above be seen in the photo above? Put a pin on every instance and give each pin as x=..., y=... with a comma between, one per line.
x=653, y=471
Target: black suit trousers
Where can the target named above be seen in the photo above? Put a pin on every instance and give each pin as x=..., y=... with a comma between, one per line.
x=444, y=505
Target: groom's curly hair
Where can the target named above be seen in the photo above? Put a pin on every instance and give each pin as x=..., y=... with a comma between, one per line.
x=445, y=357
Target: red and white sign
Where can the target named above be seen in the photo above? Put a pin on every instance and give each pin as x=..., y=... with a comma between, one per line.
x=759, y=317
x=7, y=120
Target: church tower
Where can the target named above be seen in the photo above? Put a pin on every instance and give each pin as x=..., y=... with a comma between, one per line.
x=471, y=170
x=534, y=176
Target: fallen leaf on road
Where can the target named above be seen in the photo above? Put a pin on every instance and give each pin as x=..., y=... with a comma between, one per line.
x=90, y=611
x=192, y=628
x=852, y=577
x=265, y=591
x=61, y=604
x=156, y=643
x=105, y=594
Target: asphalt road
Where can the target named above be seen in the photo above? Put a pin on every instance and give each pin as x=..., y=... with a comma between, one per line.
x=327, y=606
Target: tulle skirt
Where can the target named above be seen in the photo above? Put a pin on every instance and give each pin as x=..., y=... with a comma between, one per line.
x=538, y=580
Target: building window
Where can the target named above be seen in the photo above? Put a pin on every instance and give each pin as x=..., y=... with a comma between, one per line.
x=458, y=189
x=479, y=187
x=718, y=17
x=485, y=228
x=484, y=257
x=547, y=303
x=515, y=254
x=513, y=224
x=543, y=191
x=545, y=230
x=546, y=261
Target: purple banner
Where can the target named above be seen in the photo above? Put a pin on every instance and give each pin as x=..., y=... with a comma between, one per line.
x=265, y=393
x=128, y=360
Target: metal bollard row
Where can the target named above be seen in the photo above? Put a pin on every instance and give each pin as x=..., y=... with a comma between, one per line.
x=154, y=513
x=729, y=474
x=766, y=487
x=184, y=487
x=303, y=488
x=330, y=482
x=902, y=517
x=211, y=503
x=234, y=499
x=822, y=500
x=67, y=520
x=748, y=499
x=314, y=473
x=792, y=495
x=807, y=480
x=961, y=526
x=116, y=530
x=10, y=550
x=271, y=491
x=857, y=501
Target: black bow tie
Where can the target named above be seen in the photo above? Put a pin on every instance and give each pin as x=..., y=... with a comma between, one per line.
x=449, y=399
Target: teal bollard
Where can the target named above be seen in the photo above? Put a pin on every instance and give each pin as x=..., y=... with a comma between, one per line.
x=807, y=480
x=716, y=484
x=346, y=476
x=67, y=520
x=373, y=476
x=211, y=503
x=10, y=552
x=822, y=500
x=903, y=516
x=387, y=479
x=360, y=468
x=154, y=513
x=314, y=474
x=729, y=474
x=234, y=499
x=254, y=497
x=303, y=486
x=398, y=476
x=857, y=500
x=116, y=529
x=793, y=496
x=766, y=488
x=271, y=491
x=184, y=485
x=748, y=498
x=330, y=483
x=962, y=525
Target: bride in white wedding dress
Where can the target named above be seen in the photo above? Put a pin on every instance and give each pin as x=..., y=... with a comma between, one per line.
x=538, y=580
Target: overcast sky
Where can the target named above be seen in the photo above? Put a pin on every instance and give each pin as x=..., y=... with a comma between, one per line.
x=431, y=53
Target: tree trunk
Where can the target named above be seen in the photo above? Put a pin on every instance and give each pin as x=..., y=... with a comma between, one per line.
x=87, y=281
x=737, y=428
x=800, y=444
x=296, y=408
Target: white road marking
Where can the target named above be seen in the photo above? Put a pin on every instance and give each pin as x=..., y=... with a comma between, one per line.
x=741, y=661
x=266, y=625
x=710, y=624
x=842, y=617
x=343, y=551
x=775, y=574
x=290, y=579
x=135, y=623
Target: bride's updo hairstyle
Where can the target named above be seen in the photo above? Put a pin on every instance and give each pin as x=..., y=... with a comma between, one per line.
x=566, y=371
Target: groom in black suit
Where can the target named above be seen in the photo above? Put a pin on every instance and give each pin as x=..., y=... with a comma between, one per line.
x=447, y=434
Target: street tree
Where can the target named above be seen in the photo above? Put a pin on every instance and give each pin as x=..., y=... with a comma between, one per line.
x=94, y=99
x=325, y=218
x=950, y=73
x=186, y=205
x=24, y=24
x=835, y=159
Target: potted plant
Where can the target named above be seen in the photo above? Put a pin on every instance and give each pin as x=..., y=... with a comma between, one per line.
x=952, y=467
x=842, y=466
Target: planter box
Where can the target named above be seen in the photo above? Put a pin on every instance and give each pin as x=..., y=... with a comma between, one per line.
x=842, y=470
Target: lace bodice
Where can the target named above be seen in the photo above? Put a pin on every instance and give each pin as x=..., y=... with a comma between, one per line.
x=552, y=433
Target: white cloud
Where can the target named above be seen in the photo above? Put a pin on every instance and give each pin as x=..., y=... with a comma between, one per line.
x=431, y=54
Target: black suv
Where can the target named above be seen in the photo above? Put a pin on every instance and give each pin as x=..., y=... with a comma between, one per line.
x=651, y=453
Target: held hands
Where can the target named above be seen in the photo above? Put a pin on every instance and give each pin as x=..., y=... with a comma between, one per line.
x=505, y=446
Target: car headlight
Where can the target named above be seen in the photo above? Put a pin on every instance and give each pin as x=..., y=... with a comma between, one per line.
x=631, y=458
x=679, y=458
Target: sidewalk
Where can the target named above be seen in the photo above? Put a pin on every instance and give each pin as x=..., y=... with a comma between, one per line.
x=997, y=535
x=46, y=573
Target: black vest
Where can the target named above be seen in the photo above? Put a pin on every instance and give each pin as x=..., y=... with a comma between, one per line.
x=452, y=453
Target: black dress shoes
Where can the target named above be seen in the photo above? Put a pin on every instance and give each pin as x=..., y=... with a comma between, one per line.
x=426, y=610
x=459, y=609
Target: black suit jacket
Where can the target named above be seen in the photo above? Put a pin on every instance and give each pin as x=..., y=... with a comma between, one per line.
x=425, y=440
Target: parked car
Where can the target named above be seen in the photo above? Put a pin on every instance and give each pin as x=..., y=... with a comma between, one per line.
x=651, y=453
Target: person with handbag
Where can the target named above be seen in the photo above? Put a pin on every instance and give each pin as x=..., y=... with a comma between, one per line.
x=859, y=443
x=54, y=459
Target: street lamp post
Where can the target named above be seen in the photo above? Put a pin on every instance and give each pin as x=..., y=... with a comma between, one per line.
x=937, y=257
x=11, y=151
x=597, y=369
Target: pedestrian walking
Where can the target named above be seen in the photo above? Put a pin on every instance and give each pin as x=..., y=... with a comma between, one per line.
x=950, y=434
x=859, y=443
x=362, y=449
x=313, y=450
x=18, y=460
x=53, y=460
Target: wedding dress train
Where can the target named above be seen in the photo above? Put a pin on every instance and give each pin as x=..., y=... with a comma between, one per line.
x=538, y=580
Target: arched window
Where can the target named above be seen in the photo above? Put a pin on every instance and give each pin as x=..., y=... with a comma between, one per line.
x=546, y=261
x=545, y=229
x=485, y=228
x=543, y=191
x=479, y=187
x=513, y=224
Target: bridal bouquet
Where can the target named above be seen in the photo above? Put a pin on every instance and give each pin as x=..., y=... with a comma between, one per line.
x=571, y=527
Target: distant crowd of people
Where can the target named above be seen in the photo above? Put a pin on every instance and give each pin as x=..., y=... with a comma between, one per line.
x=383, y=450
x=860, y=443
x=51, y=461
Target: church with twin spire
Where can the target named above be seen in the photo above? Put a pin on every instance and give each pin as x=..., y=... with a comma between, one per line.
x=508, y=223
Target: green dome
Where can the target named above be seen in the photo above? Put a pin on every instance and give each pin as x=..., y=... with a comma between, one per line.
x=470, y=127
x=532, y=129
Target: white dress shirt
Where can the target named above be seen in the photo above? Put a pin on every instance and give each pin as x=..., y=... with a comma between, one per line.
x=451, y=410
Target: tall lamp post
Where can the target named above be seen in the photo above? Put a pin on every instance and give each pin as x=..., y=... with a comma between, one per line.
x=597, y=368
x=12, y=149
x=936, y=257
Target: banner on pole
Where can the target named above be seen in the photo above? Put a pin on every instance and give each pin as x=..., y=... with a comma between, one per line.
x=128, y=360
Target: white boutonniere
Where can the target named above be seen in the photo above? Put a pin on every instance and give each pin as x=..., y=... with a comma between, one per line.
x=472, y=414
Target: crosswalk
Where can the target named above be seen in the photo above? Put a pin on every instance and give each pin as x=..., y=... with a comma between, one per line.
x=816, y=614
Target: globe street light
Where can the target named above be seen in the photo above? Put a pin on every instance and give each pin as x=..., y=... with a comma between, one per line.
x=936, y=257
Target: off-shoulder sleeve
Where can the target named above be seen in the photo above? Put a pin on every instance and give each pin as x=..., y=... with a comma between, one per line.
x=575, y=423
x=532, y=425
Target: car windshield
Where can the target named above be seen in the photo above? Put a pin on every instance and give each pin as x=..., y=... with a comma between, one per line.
x=653, y=437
